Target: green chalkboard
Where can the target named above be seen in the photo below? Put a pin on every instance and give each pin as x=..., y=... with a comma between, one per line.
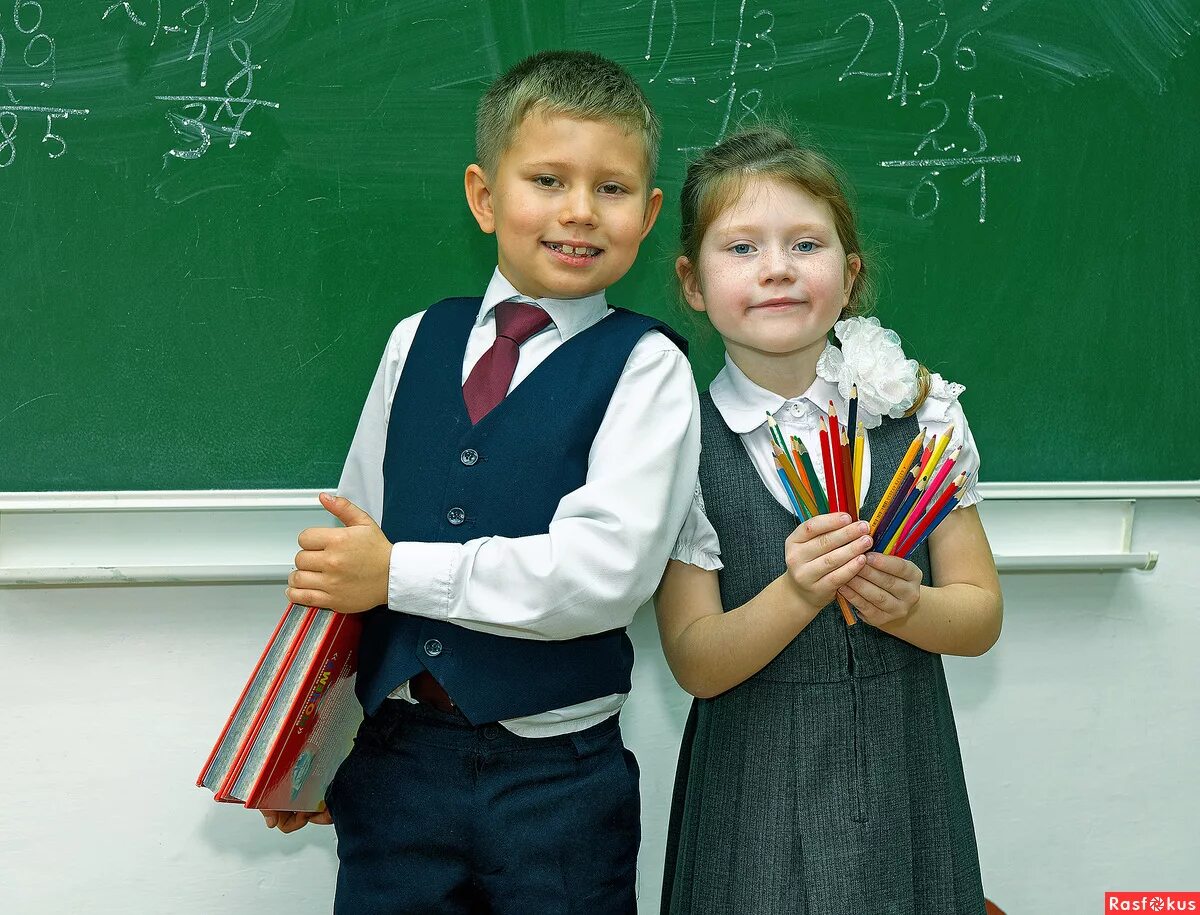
x=213, y=213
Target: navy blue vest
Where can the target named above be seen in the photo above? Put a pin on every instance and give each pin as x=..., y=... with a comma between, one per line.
x=448, y=481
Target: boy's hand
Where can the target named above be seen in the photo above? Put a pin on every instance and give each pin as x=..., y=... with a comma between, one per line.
x=885, y=590
x=342, y=568
x=290, y=821
x=823, y=554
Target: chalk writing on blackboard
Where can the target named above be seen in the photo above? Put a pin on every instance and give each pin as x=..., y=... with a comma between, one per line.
x=197, y=117
x=35, y=70
x=911, y=78
x=735, y=105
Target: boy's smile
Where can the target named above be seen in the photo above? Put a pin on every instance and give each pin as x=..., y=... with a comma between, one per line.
x=569, y=203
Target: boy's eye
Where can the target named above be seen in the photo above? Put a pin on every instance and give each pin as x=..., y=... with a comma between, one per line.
x=806, y=247
x=741, y=248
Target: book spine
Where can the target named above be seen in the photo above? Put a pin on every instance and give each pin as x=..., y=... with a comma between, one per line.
x=242, y=698
x=235, y=770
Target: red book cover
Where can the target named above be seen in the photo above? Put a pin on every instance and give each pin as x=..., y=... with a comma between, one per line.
x=260, y=715
x=240, y=709
x=318, y=728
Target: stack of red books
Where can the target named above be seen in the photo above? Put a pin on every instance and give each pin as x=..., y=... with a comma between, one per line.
x=296, y=718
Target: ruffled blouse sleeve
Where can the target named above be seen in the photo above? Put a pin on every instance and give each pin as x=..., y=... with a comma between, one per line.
x=697, y=543
x=940, y=409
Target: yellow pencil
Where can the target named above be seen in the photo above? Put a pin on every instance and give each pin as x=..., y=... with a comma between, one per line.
x=897, y=480
x=858, y=464
x=938, y=450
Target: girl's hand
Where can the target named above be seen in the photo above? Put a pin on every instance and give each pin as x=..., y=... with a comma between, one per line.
x=825, y=553
x=885, y=590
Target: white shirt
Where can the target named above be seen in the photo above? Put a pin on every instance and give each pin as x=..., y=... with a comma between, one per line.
x=744, y=406
x=608, y=541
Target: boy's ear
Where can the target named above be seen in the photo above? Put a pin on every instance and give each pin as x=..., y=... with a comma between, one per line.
x=479, y=198
x=690, y=283
x=653, y=206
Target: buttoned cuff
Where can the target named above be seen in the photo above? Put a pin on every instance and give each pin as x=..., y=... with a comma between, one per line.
x=419, y=578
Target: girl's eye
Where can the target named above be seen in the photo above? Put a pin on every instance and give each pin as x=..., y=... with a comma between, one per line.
x=741, y=248
x=806, y=247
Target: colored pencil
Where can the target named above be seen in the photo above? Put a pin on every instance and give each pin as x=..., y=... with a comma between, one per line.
x=827, y=466
x=847, y=613
x=888, y=531
x=787, y=488
x=910, y=480
x=944, y=505
x=897, y=479
x=809, y=497
x=892, y=537
x=859, y=450
x=835, y=453
x=794, y=484
x=938, y=450
x=851, y=427
x=776, y=433
x=931, y=492
x=817, y=491
x=848, y=477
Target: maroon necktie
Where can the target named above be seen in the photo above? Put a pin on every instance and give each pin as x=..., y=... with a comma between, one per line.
x=488, y=382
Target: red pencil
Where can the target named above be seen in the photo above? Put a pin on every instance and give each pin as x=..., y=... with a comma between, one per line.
x=835, y=453
x=903, y=547
x=848, y=476
x=827, y=467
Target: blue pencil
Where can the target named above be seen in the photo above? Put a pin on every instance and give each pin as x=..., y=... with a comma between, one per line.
x=937, y=519
x=787, y=487
x=889, y=532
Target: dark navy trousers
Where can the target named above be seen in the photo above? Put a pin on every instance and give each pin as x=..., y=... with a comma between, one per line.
x=434, y=815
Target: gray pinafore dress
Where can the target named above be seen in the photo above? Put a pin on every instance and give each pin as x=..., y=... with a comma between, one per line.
x=830, y=782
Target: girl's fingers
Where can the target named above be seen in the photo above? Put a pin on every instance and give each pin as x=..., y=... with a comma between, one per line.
x=894, y=565
x=841, y=576
x=815, y=527
x=837, y=558
x=861, y=588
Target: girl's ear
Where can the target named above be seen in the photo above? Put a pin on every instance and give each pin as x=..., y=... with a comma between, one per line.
x=853, y=266
x=479, y=198
x=689, y=281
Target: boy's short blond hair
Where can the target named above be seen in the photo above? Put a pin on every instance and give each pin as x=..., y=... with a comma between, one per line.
x=574, y=83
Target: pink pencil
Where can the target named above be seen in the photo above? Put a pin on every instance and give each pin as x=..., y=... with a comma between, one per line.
x=930, y=491
x=904, y=548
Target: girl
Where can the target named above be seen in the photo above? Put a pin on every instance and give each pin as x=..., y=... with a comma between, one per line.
x=820, y=770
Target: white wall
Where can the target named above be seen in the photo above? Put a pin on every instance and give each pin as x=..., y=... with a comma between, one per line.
x=1079, y=732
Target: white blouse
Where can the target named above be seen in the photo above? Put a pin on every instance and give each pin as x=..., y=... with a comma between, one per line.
x=744, y=406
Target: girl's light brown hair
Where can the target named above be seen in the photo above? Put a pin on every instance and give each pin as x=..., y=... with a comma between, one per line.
x=719, y=176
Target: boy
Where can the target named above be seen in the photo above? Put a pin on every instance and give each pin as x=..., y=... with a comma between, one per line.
x=525, y=512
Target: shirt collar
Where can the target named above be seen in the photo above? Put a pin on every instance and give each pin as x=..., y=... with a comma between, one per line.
x=570, y=316
x=744, y=405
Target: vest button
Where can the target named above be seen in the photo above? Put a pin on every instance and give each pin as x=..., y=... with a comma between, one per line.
x=433, y=648
x=456, y=516
x=470, y=457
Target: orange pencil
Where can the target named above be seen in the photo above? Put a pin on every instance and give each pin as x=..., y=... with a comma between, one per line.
x=793, y=480
x=798, y=463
